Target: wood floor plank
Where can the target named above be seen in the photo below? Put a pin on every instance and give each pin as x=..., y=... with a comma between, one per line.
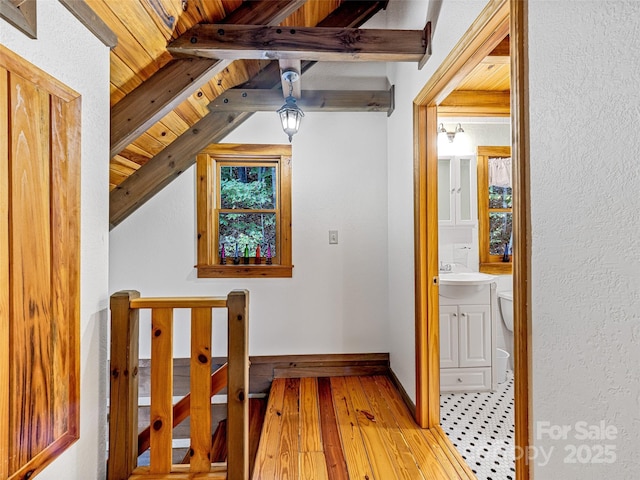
x=364, y=427
x=310, y=439
x=353, y=446
x=403, y=458
x=441, y=455
x=267, y=457
x=257, y=411
x=382, y=463
x=427, y=462
x=336, y=464
x=313, y=466
x=454, y=456
x=289, y=447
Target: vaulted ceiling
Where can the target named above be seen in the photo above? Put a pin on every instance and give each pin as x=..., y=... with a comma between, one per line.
x=185, y=73
x=161, y=112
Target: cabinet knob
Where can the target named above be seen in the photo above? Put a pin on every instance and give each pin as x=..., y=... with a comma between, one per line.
x=454, y=315
x=459, y=189
x=463, y=314
x=459, y=380
x=453, y=190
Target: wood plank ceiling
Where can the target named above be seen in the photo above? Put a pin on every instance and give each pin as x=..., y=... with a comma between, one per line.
x=144, y=28
x=161, y=103
x=485, y=91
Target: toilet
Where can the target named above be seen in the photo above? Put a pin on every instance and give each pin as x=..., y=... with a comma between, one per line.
x=505, y=307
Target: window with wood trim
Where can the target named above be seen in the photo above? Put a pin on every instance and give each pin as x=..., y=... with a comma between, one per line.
x=495, y=209
x=244, y=211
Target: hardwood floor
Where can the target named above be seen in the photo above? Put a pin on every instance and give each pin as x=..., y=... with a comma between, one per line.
x=343, y=428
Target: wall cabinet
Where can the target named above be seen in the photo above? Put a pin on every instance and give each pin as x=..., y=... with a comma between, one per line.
x=467, y=342
x=457, y=191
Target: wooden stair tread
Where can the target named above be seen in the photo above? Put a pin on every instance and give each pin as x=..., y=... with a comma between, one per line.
x=257, y=409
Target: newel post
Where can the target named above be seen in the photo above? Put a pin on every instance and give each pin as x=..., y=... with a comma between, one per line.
x=123, y=373
x=238, y=386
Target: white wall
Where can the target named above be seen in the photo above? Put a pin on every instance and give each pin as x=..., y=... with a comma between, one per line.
x=69, y=52
x=454, y=19
x=336, y=301
x=585, y=112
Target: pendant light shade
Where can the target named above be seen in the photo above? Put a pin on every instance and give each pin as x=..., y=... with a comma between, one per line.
x=290, y=113
x=290, y=116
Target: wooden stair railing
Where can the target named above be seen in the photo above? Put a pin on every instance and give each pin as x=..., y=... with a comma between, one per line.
x=182, y=408
x=124, y=442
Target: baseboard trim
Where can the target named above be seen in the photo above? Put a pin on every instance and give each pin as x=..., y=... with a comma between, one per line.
x=403, y=393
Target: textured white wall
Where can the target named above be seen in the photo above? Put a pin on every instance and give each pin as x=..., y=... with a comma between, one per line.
x=585, y=115
x=454, y=19
x=69, y=52
x=336, y=301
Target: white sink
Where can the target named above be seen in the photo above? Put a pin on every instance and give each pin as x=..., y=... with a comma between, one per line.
x=466, y=278
x=463, y=284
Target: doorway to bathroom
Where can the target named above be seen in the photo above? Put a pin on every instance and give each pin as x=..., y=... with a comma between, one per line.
x=498, y=19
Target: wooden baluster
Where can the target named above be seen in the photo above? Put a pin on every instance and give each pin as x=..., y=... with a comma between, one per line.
x=123, y=412
x=200, y=390
x=238, y=386
x=161, y=415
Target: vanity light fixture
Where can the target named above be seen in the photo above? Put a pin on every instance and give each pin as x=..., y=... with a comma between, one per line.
x=290, y=113
x=450, y=135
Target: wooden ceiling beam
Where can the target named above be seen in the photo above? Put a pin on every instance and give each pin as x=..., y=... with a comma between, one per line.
x=296, y=87
x=163, y=168
x=476, y=103
x=256, y=42
x=92, y=21
x=265, y=100
x=181, y=78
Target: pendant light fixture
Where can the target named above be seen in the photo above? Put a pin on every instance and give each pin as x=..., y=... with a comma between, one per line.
x=290, y=113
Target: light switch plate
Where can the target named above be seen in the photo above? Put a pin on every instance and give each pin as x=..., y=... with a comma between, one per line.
x=333, y=237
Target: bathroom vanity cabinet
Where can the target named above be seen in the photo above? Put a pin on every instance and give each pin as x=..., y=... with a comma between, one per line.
x=467, y=338
x=457, y=191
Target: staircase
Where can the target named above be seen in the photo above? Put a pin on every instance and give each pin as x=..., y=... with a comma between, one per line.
x=126, y=445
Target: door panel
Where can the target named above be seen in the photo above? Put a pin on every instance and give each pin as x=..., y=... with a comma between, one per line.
x=475, y=336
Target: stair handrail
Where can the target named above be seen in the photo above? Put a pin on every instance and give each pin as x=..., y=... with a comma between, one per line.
x=123, y=416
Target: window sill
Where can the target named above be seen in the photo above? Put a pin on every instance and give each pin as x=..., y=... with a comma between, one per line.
x=497, y=268
x=245, y=271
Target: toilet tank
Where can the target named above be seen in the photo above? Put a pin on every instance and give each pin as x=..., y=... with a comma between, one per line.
x=505, y=304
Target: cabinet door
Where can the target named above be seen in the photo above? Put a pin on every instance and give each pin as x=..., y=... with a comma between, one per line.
x=466, y=202
x=448, y=336
x=446, y=191
x=474, y=336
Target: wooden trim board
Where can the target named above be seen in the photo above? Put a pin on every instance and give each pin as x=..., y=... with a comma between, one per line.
x=497, y=19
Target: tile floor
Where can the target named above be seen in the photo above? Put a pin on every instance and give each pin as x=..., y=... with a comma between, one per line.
x=481, y=426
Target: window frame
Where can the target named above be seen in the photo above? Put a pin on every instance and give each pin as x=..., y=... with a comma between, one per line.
x=208, y=164
x=489, y=263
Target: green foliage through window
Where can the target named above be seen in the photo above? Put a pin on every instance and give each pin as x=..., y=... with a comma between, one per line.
x=250, y=194
x=500, y=223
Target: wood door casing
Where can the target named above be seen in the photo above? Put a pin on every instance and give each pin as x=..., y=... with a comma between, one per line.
x=39, y=267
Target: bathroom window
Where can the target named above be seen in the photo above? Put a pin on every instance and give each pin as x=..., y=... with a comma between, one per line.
x=244, y=211
x=495, y=209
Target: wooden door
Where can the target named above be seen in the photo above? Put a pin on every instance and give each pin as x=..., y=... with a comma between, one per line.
x=39, y=267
